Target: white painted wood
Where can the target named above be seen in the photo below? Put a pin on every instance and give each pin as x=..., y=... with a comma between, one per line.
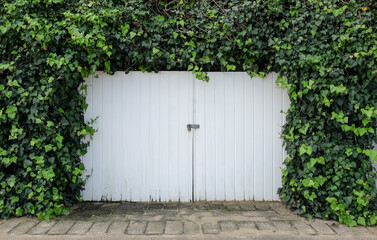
x=238, y=147
x=143, y=151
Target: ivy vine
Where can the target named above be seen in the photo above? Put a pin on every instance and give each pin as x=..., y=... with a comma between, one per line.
x=324, y=50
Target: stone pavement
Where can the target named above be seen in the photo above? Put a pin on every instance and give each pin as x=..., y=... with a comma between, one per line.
x=204, y=220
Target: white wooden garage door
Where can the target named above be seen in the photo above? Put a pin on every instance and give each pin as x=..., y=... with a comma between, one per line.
x=143, y=150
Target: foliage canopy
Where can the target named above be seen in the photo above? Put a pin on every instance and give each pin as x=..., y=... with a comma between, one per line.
x=324, y=50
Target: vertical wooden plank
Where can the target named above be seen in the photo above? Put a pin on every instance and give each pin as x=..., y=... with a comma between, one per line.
x=259, y=139
x=107, y=125
x=87, y=159
x=173, y=140
x=97, y=138
x=154, y=122
x=229, y=136
x=115, y=121
x=219, y=136
x=135, y=138
x=185, y=138
x=125, y=162
x=268, y=140
x=200, y=140
x=189, y=164
x=239, y=137
x=209, y=128
x=164, y=137
x=249, y=137
x=144, y=135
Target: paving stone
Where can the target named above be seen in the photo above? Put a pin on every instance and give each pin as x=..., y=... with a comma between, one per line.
x=80, y=228
x=174, y=227
x=304, y=228
x=247, y=225
x=264, y=226
x=281, y=209
x=340, y=228
x=8, y=225
x=190, y=228
x=264, y=206
x=372, y=230
x=260, y=214
x=23, y=227
x=227, y=226
x=42, y=227
x=117, y=227
x=175, y=217
x=359, y=230
x=247, y=206
x=61, y=228
x=209, y=228
x=136, y=228
x=284, y=218
x=232, y=207
x=155, y=228
x=99, y=227
x=284, y=226
x=321, y=227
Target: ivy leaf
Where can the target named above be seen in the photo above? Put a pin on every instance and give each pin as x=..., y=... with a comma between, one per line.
x=108, y=66
x=155, y=50
x=305, y=149
x=132, y=35
x=304, y=129
x=48, y=147
x=48, y=174
x=361, y=221
x=125, y=28
x=19, y=211
x=11, y=111
x=160, y=18
x=339, y=11
x=50, y=124
x=14, y=199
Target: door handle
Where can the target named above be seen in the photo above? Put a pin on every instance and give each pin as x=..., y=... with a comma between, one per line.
x=192, y=126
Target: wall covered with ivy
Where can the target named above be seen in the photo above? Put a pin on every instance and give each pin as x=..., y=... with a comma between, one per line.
x=324, y=50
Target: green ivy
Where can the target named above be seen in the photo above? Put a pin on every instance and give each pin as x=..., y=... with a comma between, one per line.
x=324, y=50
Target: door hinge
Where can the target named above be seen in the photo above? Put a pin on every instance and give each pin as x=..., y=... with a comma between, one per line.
x=194, y=126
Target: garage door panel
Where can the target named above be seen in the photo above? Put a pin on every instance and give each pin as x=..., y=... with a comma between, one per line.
x=245, y=139
x=142, y=140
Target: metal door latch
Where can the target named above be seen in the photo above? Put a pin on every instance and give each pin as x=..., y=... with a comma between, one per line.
x=194, y=126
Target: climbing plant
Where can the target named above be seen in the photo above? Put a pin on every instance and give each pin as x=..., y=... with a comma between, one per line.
x=324, y=50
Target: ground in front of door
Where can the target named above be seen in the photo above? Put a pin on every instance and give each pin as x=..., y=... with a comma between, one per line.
x=205, y=220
